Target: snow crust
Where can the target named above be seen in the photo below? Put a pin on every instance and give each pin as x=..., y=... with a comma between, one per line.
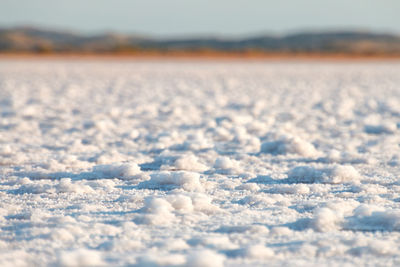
x=149, y=163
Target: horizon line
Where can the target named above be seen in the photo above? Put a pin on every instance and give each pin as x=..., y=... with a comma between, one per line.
x=309, y=30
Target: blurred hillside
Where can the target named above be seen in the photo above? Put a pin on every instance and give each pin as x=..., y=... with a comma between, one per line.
x=35, y=40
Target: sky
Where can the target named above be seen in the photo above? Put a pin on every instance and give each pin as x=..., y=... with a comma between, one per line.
x=195, y=17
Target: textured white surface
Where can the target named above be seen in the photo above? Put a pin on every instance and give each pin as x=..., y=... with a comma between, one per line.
x=199, y=163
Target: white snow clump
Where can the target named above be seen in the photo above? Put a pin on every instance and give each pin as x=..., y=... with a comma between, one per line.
x=190, y=163
x=188, y=181
x=289, y=145
x=122, y=171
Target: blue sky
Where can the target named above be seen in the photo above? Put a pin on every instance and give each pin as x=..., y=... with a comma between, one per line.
x=194, y=17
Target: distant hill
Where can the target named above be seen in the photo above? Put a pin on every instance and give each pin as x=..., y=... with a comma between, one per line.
x=34, y=40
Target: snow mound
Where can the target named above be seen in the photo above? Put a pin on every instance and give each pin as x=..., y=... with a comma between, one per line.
x=325, y=220
x=156, y=211
x=62, y=235
x=188, y=181
x=372, y=218
x=157, y=205
x=364, y=217
x=202, y=203
x=281, y=231
x=205, y=258
x=260, y=252
x=66, y=185
x=159, y=210
x=331, y=175
x=121, y=171
x=181, y=202
x=289, y=145
x=225, y=165
x=79, y=258
x=190, y=163
x=192, y=202
x=158, y=259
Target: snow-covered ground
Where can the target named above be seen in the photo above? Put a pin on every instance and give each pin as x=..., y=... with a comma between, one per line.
x=199, y=163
